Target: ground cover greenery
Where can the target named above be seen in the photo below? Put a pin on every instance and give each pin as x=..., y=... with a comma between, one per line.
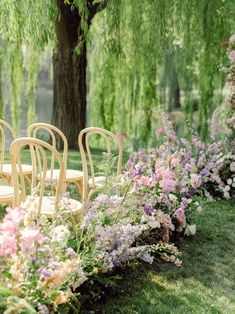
x=204, y=283
x=57, y=266
x=166, y=193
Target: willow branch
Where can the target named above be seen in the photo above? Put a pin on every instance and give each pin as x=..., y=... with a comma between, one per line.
x=94, y=8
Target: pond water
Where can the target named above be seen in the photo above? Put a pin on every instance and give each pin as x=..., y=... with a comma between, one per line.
x=44, y=102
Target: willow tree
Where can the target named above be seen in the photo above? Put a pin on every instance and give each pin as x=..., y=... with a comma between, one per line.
x=69, y=64
x=129, y=61
x=63, y=24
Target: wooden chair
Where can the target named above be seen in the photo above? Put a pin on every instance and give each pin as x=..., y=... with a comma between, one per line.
x=5, y=168
x=38, y=202
x=6, y=195
x=71, y=176
x=91, y=182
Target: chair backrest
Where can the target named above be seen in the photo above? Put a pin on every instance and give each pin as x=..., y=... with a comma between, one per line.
x=40, y=153
x=35, y=129
x=85, y=150
x=4, y=126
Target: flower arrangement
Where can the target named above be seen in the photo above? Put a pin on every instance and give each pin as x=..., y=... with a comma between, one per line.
x=36, y=262
x=136, y=218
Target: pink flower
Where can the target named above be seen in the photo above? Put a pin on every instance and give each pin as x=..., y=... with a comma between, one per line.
x=163, y=198
x=7, y=245
x=188, y=167
x=174, y=161
x=196, y=180
x=167, y=175
x=8, y=226
x=180, y=213
x=28, y=238
x=150, y=182
x=167, y=222
x=145, y=180
x=159, y=131
x=198, y=143
x=16, y=215
x=168, y=185
x=159, y=172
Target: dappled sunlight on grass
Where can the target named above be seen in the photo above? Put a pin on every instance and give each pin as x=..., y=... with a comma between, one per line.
x=204, y=283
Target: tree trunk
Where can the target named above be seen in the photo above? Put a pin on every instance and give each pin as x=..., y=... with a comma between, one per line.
x=69, y=69
x=176, y=94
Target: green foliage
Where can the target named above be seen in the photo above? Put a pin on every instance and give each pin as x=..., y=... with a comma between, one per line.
x=140, y=47
x=26, y=27
x=204, y=283
x=138, y=52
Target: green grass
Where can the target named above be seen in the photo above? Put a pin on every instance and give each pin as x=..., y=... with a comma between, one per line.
x=74, y=158
x=204, y=284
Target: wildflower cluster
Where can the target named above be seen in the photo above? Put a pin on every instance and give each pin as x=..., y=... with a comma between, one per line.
x=36, y=262
x=120, y=229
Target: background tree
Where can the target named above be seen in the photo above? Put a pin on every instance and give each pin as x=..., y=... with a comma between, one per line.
x=142, y=55
x=69, y=65
x=64, y=25
x=145, y=51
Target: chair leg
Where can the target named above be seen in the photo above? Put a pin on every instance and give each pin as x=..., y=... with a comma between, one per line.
x=6, y=178
x=79, y=185
x=10, y=203
x=28, y=178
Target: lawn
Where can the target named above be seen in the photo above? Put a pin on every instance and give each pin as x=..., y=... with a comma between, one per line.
x=204, y=284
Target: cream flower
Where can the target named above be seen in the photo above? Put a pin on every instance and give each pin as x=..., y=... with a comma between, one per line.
x=60, y=234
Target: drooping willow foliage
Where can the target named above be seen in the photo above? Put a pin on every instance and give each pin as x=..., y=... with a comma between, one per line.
x=142, y=50
x=26, y=27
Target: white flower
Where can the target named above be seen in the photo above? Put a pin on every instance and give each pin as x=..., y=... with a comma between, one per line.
x=172, y=197
x=232, y=166
x=229, y=181
x=232, y=39
x=190, y=230
x=60, y=234
x=154, y=224
x=226, y=195
x=227, y=188
x=199, y=209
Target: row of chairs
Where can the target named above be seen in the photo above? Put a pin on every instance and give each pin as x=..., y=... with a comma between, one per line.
x=47, y=171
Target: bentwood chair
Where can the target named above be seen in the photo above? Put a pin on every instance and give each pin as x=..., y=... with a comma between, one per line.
x=71, y=176
x=6, y=195
x=91, y=182
x=5, y=168
x=37, y=201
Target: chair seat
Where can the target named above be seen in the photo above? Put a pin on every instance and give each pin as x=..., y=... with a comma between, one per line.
x=6, y=193
x=67, y=206
x=71, y=175
x=99, y=182
x=7, y=169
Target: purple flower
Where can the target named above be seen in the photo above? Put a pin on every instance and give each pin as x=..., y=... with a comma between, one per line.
x=42, y=308
x=147, y=258
x=203, y=172
x=53, y=265
x=188, y=155
x=45, y=274
x=138, y=171
x=148, y=209
x=188, y=167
